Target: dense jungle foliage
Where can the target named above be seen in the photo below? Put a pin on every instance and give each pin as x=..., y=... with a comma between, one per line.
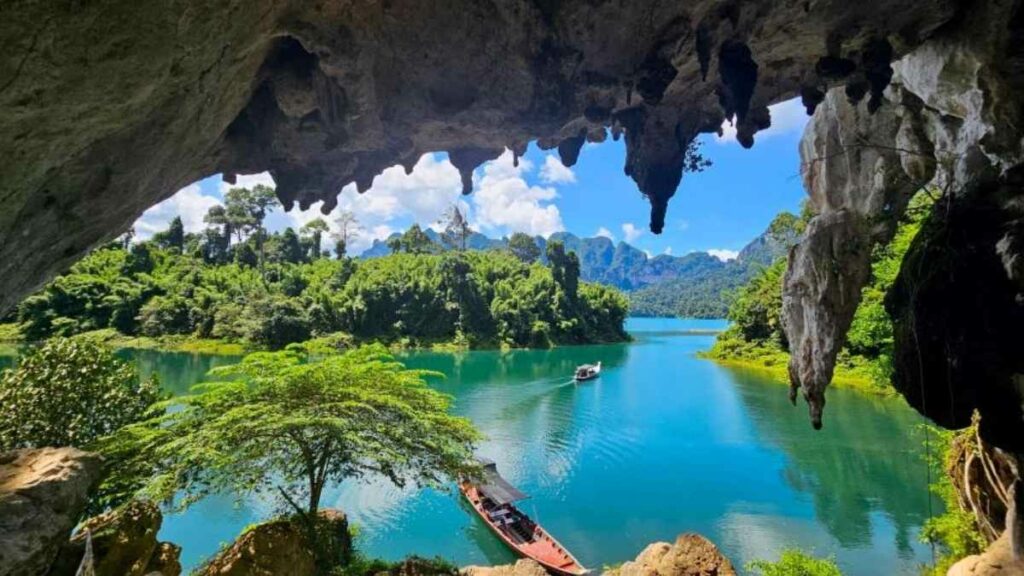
x=272, y=290
x=755, y=336
x=703, y=286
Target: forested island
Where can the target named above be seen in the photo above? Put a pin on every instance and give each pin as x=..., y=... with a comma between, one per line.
x=235, y=282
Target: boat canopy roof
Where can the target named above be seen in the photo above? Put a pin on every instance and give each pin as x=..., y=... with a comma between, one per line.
x=495, y=487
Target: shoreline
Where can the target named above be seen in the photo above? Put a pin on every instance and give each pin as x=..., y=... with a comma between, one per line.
x=780, y=373
x=339, y=341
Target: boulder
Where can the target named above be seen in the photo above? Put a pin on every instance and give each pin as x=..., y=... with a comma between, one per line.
x=123, y=544
x=524, y=567
x=997, y=560
x=281, y=547
x=690, y=555
x=43, y=493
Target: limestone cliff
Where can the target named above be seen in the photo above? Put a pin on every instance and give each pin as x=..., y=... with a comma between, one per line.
x=108, y=107
x=950, y=123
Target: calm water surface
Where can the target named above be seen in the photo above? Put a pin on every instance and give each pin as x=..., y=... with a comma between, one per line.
x=662, y=443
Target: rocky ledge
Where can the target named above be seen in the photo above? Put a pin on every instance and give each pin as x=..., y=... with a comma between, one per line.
x=43, y=493
x=282, y=547
x=123, y=544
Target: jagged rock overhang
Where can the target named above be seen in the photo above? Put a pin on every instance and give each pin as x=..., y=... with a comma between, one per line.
x=106, y=109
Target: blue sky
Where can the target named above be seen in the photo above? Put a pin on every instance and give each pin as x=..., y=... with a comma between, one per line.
x=718, y=210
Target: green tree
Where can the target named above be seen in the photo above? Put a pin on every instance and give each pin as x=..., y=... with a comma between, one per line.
x=288, y=247
x=524, y=247
x=173, y=237
x=284, y=424
x=70, y=392
x=413, y=241
x=456, y=229
x=757, y=307
x=565, y=267
x=314, y=230
x=245, y=211
x=795, y=563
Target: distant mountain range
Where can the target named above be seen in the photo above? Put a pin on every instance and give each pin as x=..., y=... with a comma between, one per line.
x=696, y=284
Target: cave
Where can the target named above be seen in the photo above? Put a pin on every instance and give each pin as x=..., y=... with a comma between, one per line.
x=107, y=109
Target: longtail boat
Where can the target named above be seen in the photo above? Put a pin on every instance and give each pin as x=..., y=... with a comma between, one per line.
x=492, y=497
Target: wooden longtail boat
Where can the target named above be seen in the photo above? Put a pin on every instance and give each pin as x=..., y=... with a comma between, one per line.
x=492, y=498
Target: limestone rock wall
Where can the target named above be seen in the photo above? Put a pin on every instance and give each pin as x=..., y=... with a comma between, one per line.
x=951, y=121
x=43, y=493
x=109, y=107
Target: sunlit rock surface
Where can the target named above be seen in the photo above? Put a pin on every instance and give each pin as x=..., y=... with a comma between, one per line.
x=690, y=555
x=996, y=560
x=123, y=544
x=524, y=567
x=43, y=492
x=106, y=109
x=281, y=547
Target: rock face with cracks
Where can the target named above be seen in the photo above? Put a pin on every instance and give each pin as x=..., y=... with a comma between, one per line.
x=108, y=108
x=950, y=123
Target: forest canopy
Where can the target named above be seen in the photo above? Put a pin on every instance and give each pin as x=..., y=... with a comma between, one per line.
x=235, y=282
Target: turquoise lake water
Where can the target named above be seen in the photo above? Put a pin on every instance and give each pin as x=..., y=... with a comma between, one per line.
x=662, y=443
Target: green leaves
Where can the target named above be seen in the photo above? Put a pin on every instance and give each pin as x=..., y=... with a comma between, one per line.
x=283, y=420
x=793, y=562
x=70, y=393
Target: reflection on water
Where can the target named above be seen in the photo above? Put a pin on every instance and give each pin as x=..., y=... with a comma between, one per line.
x=661, y=443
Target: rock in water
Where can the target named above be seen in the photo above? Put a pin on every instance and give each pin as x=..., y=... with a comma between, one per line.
x=691, y=555
x=281, y=547
x=42, y=494
x=124, y=544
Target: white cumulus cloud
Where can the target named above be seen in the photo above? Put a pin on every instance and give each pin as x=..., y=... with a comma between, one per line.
x=420, y=197
x=189, y=203
x=504, y=202
x=631, y=231
x=602, y=231
x=248, y=181
x=668, y=250
x=724, y=255
x=787, y=117
x=554, y=172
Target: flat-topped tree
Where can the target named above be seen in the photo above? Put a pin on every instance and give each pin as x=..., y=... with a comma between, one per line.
x=283, y=425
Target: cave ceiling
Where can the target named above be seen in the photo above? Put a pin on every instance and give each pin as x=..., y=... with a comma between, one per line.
x=107, y=108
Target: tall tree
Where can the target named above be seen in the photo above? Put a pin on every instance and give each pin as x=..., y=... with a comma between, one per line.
x=456, y=229
x=565, y=268
x=288, y=247
x=314, y=229
x=173, y=237
x=282, y=423
x=348, y=230
x=524, y=247
x=246, y=209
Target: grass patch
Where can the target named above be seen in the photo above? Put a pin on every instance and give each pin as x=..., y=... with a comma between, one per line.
x=852, y=372
x=10, y=333
x=176, y=343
